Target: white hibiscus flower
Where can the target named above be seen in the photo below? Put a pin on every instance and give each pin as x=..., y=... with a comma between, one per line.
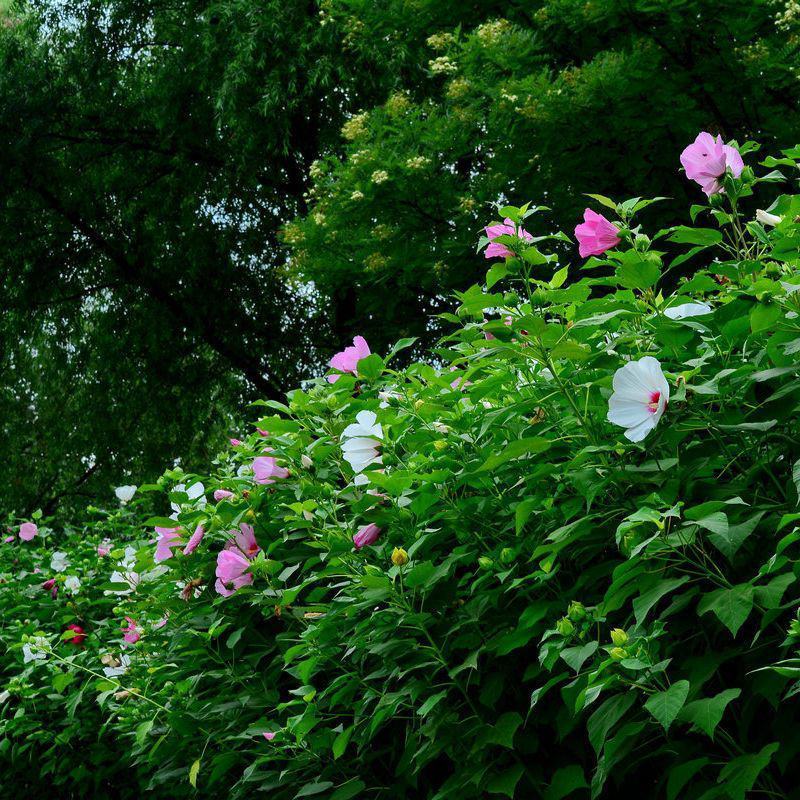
x=641, y=394
x=687, y=310
x=125, y=493
x=361, y=441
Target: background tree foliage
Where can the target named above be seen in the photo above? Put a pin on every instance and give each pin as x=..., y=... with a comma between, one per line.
x=536, y=101
x=153, y=154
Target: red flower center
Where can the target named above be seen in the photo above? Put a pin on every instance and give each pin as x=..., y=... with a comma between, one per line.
x=652, y=406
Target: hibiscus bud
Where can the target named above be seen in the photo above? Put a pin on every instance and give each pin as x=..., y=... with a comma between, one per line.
x=619, y=637
x=507, y=555
x=485, y=562
x=641, y=243
x=765, y=218
x=399, y=557
x=250, y=514
x=618, y=653
x=440, y=444
x=576, y=611
x=565, y=627
x=418, y=404
x=306, y=461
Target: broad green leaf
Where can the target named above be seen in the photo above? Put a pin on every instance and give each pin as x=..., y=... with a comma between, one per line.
x=739, y=776
x=606, y=717
x=520, y=447
x=638, y=270
x=732, y=606
x=314, y=788
x=565, y=781
x=665, y=706
x=764, y=316
x=702, y=236
x=706, y=714
x=575, y=656
x=506, y=782
x=142, y=729
x=353, y=788
x=681, y=775
x=643, y=603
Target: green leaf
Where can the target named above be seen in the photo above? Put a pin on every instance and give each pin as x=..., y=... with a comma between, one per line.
x=638, y=270
x=400, y=344
x=702, y=236
x=732, y=606
x=770, y=595
x=419, y=574
x=764, y=316
x=665, y=706
x=352, y=788
x=429, y=704
x=496, y=273
x=523, y=512
x=682, y=774
x=193, y=771
x=314, y=788
x=606, y=717
x=565, y=781
x=739, y=775
x=604, y=201
x=730, y=540
x=507, y=782
x=645, y=601
x=520, y=447
x=706, y=714
x=558, y=278
x=371, y=367
x=503, y=731
x=142, y=729
x=575, y=656
x=340, y=742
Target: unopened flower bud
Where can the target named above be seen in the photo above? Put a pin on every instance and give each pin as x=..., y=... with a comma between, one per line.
x=485, y=562
x=565, y=627
x=619, y=637
x=618, y=653
x=440, y=444
x=418, y=404
x=399, y=557
x=576, y=611
x=507, y=555
x=306, y=461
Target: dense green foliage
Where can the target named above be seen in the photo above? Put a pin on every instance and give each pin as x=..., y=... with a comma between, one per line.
x=153, y=157
x=546, y=100
x=548, y=610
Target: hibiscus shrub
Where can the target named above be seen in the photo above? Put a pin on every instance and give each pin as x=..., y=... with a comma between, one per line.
x=558, y=559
